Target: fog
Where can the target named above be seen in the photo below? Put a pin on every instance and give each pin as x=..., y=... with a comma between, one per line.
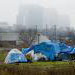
x=31, y=15
x=23, y=21
x=50, y=12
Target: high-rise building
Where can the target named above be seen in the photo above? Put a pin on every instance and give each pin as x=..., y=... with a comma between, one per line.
x=30, y=15
x=50, y=17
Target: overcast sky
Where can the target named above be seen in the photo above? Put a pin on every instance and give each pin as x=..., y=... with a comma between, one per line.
x=9, y=8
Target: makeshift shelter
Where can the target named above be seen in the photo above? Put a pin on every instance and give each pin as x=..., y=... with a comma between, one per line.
x=15, y=56
x=66, y=49
x=34, y=56
x=51, y=50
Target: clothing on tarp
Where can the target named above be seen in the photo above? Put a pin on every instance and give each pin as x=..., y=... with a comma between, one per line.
x=15, y=56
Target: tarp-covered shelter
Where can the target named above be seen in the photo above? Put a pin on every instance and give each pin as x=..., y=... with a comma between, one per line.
x=51, y=49
x=15, y=56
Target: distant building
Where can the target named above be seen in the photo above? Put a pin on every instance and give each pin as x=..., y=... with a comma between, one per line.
x=29, y=16
x=9, y=39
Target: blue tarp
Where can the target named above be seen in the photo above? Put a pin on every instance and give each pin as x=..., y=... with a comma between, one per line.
x=50, y=49
x=66, y=49
x=25, y=50
x=15, y=56
x=47, y=49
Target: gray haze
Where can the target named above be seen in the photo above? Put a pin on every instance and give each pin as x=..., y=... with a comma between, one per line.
x=31, y=15
x=9, y=9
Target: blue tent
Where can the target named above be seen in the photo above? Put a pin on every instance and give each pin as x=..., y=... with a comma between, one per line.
x=15, y=56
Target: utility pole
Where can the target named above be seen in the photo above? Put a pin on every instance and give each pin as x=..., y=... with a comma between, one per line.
x=38, y=34
x=46, y=29
x=38, y=38
x=36, y=29
x=55, y=37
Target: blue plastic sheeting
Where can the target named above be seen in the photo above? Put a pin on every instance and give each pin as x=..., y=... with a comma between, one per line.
x=15, y=56
x=66, y=49
x=50, y=49
x=56, y=47
x=63, y=46
x=73, y=51
x=25, y=50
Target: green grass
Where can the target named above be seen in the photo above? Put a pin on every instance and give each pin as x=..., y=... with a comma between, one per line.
x=36, y=68
x=2, y=55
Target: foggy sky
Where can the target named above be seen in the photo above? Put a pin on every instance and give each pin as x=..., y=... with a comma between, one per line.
x=30, y=15
x=9, y=8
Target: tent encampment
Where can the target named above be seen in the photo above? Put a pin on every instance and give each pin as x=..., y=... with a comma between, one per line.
x=15, y=56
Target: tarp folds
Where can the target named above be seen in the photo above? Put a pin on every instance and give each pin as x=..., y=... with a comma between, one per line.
x=25, y=50
x=50, y=49
x=15, y=56
x=66, y=49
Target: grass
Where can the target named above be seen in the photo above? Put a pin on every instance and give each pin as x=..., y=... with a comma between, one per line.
x=2, y=55
x=36, y=68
